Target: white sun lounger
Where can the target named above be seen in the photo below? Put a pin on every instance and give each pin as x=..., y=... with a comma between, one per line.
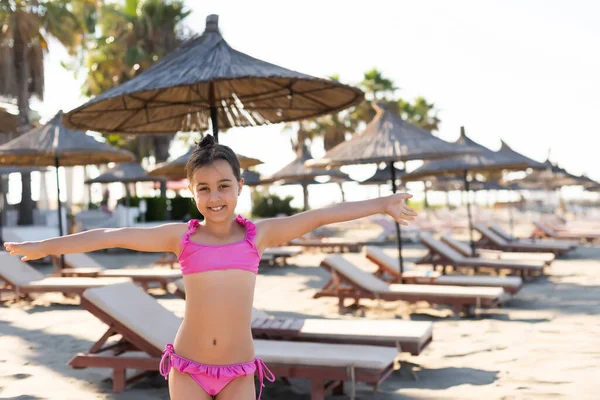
x=145, y=327
x=407, y=336
x=349, y=281
x=388, y=265
x=21, y=279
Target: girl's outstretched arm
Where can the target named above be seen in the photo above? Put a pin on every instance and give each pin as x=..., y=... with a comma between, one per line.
x=162, y=238
x=276, y=231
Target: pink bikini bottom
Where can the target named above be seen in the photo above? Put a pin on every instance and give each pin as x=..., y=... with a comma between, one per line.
x=213, y=378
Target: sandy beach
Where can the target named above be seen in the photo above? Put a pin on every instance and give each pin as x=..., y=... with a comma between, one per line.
x=545, y=344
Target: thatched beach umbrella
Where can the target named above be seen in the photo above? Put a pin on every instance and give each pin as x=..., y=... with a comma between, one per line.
x=251, y=178
x=175, y=169
x=206, y=83
x=388, y=138
x=485, y=160
x=54, y=145
x=550, y=178
x=506, y=150
x=298, y=173
x=593, y=188
x=125, y=173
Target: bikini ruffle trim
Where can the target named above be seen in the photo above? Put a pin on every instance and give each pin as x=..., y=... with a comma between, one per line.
x=250, y=227
x=192, y=225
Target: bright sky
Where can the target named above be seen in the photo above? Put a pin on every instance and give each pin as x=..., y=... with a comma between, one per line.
x=525, y=72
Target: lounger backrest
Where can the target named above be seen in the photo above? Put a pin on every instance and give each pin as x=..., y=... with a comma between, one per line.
x=16, y=271
x=357, y=276
x=81, y=260
x=497, y=229
x=461, y=247
x=131, y=306
x=491, y=235
x=440, y=247
x=381, y=257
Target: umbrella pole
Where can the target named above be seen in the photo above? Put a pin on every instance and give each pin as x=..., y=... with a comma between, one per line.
x=127, y=202
x=398, y=232
x=2, y=209
x=342, y=191
x=467, y=189
x=214, y=116
x=60, y=227
x=305, y=192
x=511, y=220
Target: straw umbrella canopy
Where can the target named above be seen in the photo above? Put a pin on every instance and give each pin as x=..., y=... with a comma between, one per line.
x=593, y=188
x=251, y=178
x=206, y=83
x=551, y=178
x=297, y=173
x=175, y=169
x=55, y=145
x=485, y=160
x=125, y=173
x=388, y=138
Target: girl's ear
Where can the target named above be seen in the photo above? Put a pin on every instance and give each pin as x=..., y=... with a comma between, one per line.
x=241, y=184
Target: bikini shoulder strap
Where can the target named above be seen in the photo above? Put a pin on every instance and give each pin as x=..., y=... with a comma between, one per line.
x=250, y=228
x=192, y=225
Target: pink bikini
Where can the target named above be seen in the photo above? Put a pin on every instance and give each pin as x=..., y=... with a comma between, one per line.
x=196, y=258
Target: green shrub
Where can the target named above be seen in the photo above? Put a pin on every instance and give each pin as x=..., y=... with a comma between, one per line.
x=183, y=208
x=266, y=206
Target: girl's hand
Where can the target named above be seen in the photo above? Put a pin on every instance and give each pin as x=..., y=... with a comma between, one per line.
x=29, y=250
x=397, y=208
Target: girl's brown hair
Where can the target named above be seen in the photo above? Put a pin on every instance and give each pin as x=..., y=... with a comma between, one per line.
x=207, y=152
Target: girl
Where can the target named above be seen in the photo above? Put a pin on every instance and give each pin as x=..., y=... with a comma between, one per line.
x=213, y=353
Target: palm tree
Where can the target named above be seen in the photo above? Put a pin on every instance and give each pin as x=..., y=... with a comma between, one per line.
x=26, y=28
x=335, y=127
x=133, y=36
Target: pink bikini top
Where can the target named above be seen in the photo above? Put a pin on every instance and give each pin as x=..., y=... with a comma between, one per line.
x=197, y=257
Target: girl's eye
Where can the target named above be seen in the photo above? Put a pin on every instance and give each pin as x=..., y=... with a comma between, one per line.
x=224, y=186
x=203, y=189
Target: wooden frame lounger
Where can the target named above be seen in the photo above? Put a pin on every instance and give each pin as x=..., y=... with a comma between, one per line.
x=544, y=231
x=349, y=281
x=440, y=254
x=388, y=267
x=21, y=279
x=510, y=238
x=465, y=250
x=491, y=240
x=143, y=327
x=408, y=336
x=81, y=264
